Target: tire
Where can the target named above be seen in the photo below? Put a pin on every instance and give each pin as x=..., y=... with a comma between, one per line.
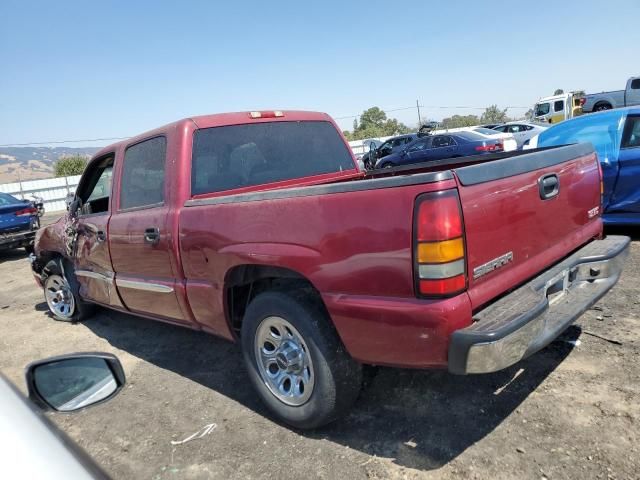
x=323, y=379
x=387, y=165
x=61, y=294
x=600, y=107
x=29, y=249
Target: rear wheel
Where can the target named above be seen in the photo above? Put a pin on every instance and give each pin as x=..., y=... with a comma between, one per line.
x=61, y=294
x=601, y=107
x=296, y=361
x=386, y=165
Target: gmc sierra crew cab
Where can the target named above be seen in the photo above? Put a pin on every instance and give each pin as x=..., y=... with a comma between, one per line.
x=259, y=228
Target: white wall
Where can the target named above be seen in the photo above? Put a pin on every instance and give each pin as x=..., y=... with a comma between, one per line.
x=52, y=190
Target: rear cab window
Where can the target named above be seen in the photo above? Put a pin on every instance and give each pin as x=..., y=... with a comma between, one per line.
x=246, y=155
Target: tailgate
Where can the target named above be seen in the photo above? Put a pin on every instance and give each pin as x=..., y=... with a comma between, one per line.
x=517, y=224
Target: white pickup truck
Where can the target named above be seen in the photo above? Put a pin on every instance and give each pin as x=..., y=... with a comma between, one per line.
x=596, y=102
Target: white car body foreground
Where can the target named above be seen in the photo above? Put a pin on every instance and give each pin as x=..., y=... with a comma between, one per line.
x=521, y=131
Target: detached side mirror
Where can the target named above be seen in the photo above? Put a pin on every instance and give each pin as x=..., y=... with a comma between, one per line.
x=74, y=205
x=72, y=382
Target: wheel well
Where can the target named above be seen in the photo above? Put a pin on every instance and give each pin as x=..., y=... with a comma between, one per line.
x=44, y=258
x=602, y=103
x=244, y=282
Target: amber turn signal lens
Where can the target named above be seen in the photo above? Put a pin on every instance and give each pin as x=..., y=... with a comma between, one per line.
x=441, y=252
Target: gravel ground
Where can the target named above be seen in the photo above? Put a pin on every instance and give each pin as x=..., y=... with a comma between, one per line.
x=570, y=411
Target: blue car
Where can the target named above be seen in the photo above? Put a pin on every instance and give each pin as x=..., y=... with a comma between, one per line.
x=18, y=223
x=438, y=147
x=615, y=135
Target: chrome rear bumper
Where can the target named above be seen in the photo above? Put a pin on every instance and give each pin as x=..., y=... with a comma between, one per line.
x=529, y=318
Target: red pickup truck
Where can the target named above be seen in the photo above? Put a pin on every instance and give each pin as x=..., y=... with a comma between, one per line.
x=258, y=227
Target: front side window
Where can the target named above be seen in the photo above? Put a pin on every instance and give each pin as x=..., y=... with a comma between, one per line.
x=238, y=156
x=143, y=174
x=558, y=106
x=417, y=146
x=515, y=129
x=95, y=189
x=542, y=109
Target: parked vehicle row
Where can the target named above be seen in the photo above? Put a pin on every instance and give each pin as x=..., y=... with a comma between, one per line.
x=438, y=147
x=615, y=135
x=256, y=227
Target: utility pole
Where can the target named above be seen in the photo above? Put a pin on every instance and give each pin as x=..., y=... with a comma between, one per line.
x=419, y=119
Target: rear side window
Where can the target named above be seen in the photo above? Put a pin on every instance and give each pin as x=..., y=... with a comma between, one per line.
x=236, y=156
x=558, y=105
x=143, y=174
x=631, y=135
x=635, y=83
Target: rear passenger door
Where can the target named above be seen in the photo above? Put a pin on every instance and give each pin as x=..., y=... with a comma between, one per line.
x=442, y=146
x=140, y=239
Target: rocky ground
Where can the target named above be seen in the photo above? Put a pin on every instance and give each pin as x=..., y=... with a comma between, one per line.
x=570, y=411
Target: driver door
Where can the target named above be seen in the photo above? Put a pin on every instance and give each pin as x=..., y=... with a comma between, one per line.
x=91, y=258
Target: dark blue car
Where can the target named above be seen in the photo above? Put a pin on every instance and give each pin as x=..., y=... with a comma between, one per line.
x=615, y=135
x=18, y=222
x=437, y=147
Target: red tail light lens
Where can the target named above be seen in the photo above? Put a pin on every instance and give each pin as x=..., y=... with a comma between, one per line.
x=583, y=101
x=439, y=251
x=496, y=147
x=26, y=212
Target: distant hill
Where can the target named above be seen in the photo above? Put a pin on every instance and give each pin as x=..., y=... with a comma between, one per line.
x=31, y=163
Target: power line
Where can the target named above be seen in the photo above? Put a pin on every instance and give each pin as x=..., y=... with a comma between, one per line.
x=413, y=107
x=62, y=141
x=58, y=142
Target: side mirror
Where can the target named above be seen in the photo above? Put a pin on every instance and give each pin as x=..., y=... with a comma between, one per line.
x=75, y=205
x=69, y=199
x=71, y=382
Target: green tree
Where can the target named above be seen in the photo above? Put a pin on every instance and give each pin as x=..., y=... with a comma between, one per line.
x=558, y=91
x=374, y=123
x=457, y=121
x=493, y=114
x=70, y=165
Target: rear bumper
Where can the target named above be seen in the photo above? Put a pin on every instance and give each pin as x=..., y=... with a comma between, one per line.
x=532, y=316
x=17, y=239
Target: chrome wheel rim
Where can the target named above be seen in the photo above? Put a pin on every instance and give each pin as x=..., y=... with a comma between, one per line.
x=283, y=361
x=59, y=296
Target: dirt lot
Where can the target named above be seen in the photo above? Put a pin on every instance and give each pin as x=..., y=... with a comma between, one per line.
x=567, y=412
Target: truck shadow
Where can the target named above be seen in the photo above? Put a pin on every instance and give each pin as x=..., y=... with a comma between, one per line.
x=421, y=419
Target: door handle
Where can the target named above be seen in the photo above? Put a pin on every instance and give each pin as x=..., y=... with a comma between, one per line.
x=152, y=235
x=101, y=236
x=548, y=186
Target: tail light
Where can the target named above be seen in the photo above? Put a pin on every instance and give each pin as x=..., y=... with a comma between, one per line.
x=495, y=147
x=601, y=184
x=439, y=250
x=26, y=212
x=583, y=100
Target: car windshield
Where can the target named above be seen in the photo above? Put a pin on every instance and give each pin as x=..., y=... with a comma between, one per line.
x=6, y=199
x=603, y=130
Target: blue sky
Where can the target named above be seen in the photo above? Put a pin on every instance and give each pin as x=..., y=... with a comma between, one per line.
x=76, y=70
